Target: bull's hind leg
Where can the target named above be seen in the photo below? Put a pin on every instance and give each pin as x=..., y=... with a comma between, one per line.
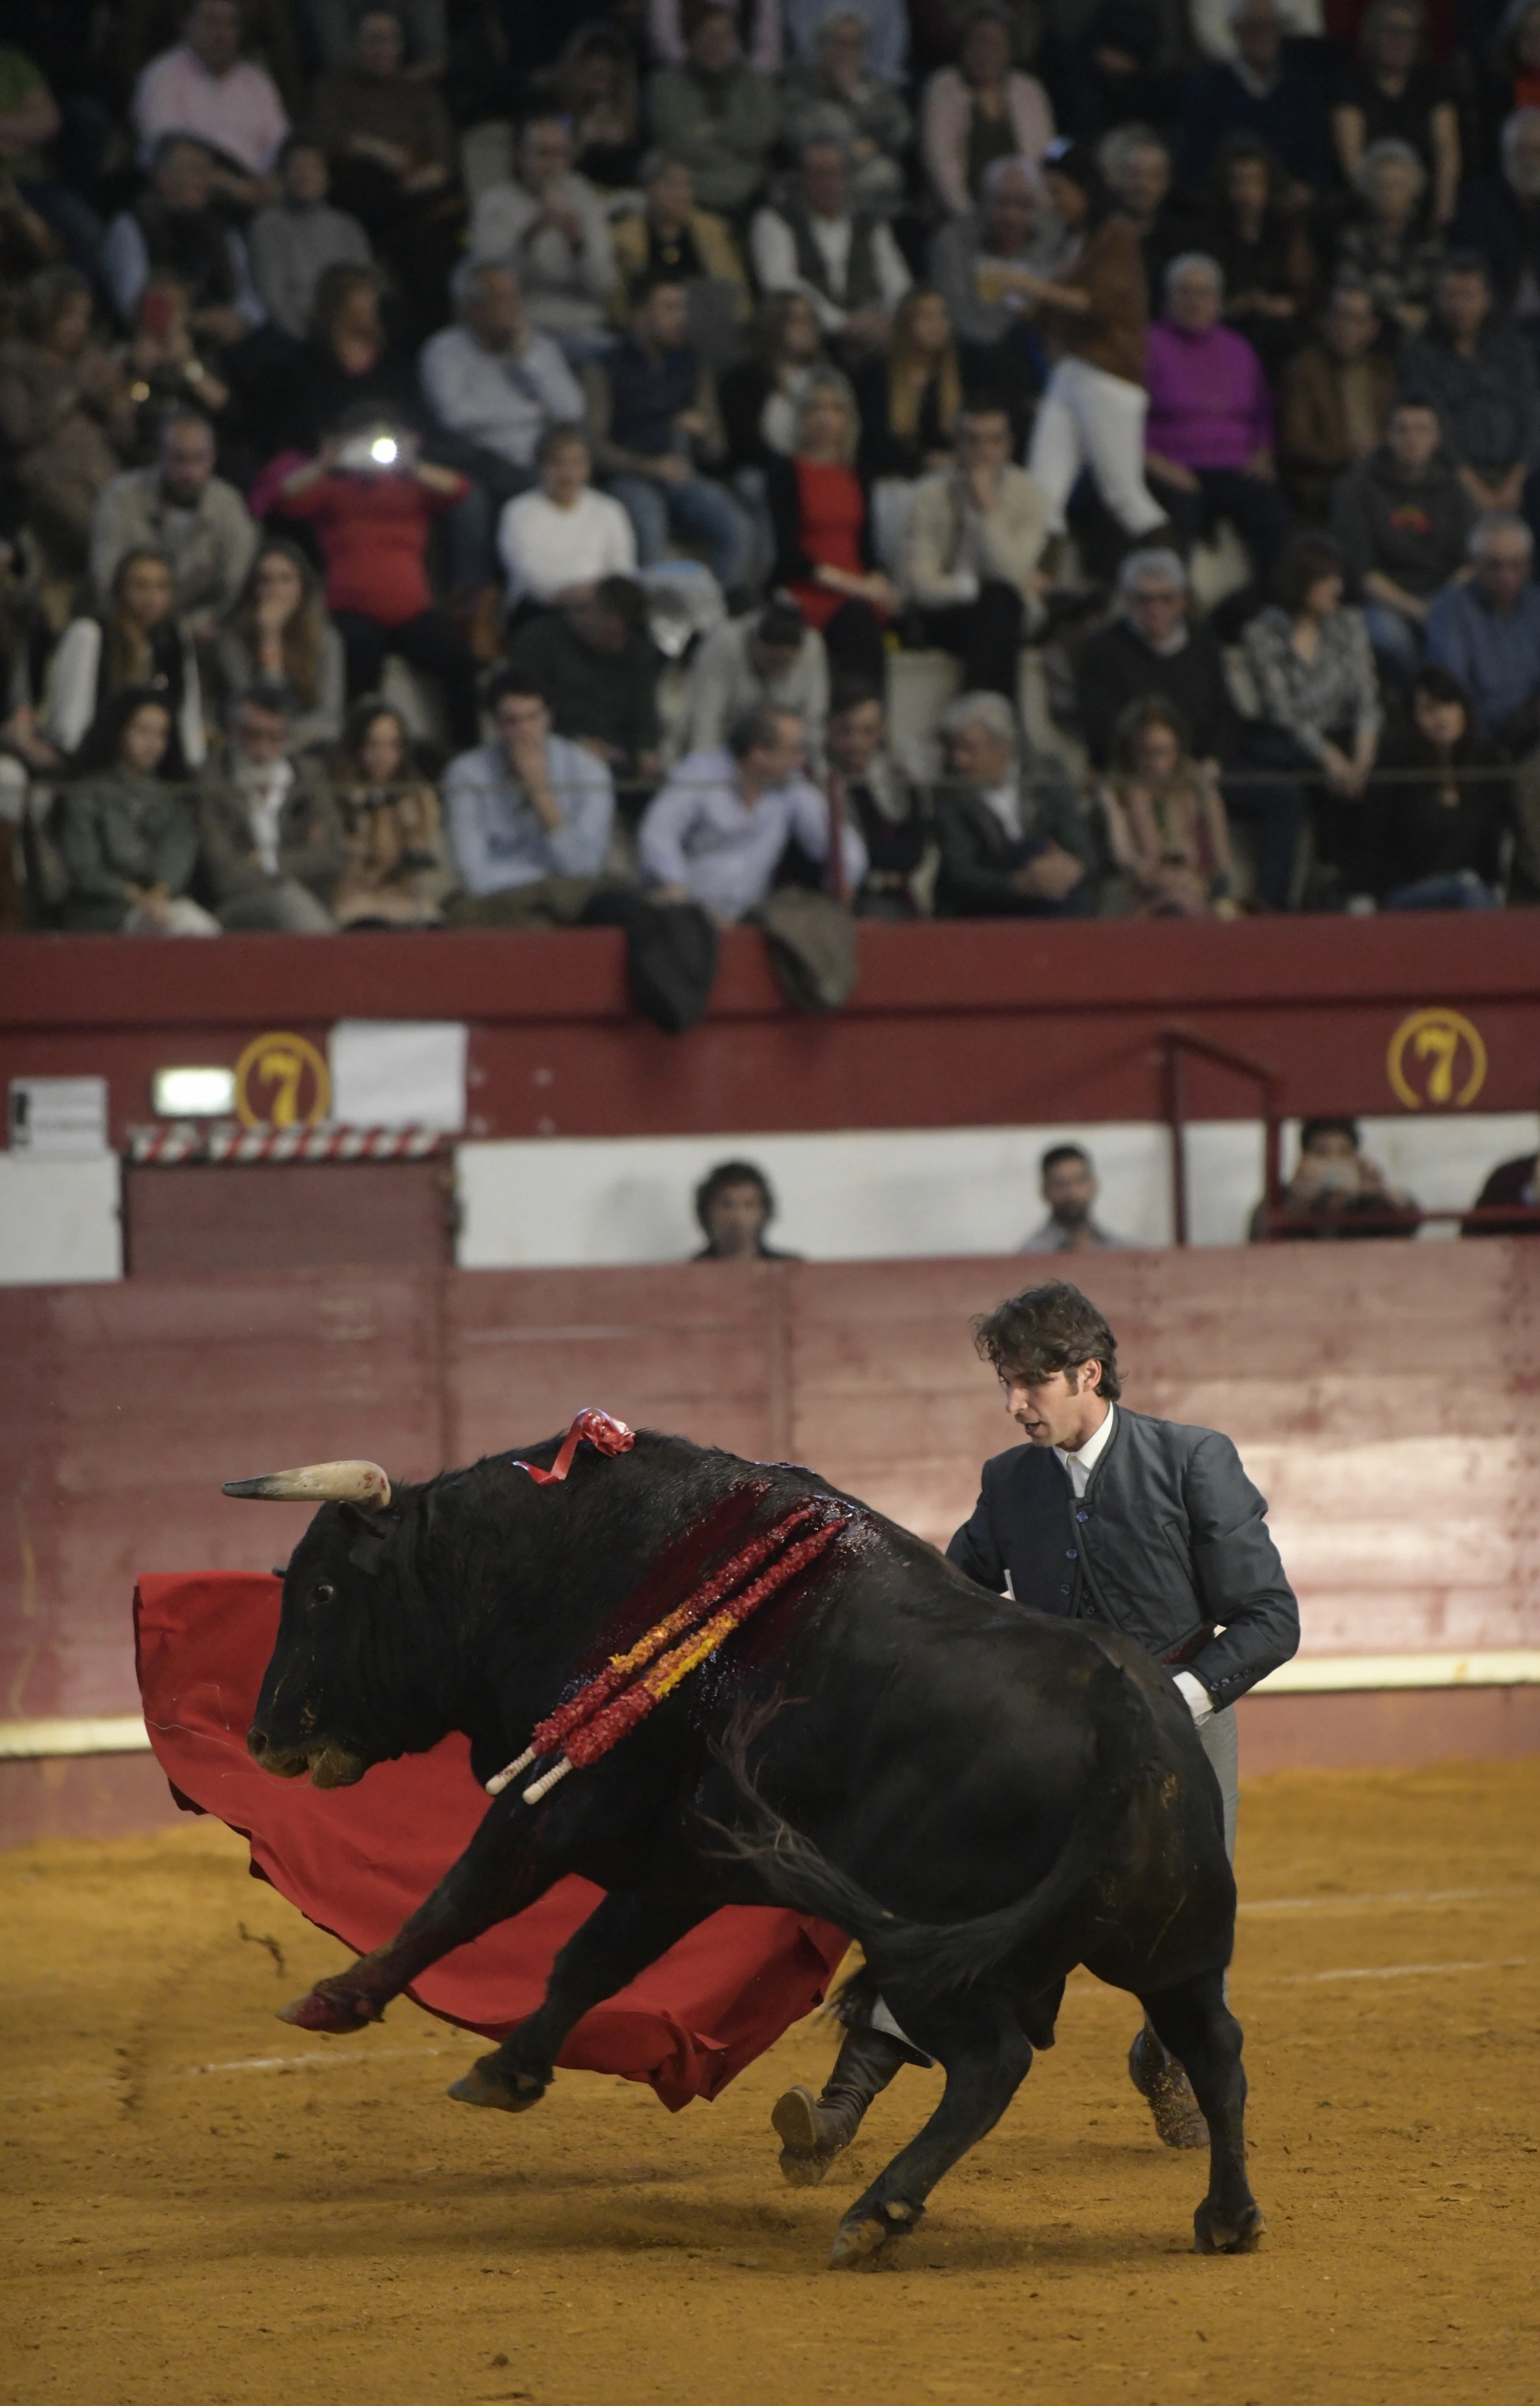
x=1204, y=2036
x=629, y=1929
x=986, y=2056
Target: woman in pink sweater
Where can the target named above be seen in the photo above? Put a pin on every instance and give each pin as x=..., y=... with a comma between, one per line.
x=1209, y=439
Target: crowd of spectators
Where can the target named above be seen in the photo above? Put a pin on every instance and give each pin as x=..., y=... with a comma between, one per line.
x=456, y=465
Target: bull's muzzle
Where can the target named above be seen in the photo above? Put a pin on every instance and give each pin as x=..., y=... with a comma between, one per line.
x=330, y=1765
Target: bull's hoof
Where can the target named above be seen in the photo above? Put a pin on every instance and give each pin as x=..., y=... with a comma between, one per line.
x=486, y=2083
x=862, y=2235
x=859, y=2245
x=805, y=2156
x=333, y=2010
x=1227, y=2234
x=1166, y=2089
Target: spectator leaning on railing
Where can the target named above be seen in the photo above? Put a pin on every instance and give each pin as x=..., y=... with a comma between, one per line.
x=1313, y=671
x=128, y=838
x=1485, y=629
x=715, y=833
x=886, y=807
x=269, y=836
x=1439, y=832
x=1015, y=841
x=530, y=818
x=396, y=872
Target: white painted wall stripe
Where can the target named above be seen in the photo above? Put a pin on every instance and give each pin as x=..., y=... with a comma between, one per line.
x=34, y=1741
x=1315, y=1674
x=107, y=1734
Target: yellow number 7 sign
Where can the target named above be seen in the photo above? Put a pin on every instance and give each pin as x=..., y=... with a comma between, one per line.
x=1436, y=1059
x=282, y=1081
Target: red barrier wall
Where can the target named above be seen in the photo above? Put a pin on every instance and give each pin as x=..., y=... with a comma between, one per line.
x=1383, y=1397
x=953, y=1024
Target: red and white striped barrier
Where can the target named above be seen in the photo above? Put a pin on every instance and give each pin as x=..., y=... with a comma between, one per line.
x=179, y=1140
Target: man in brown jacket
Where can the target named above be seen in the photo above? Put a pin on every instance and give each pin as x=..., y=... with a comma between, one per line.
x=1334, y=401
x=975, y=538
x=270, y=839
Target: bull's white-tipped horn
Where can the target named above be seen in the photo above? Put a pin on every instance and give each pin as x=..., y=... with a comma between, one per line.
x=318, y=1482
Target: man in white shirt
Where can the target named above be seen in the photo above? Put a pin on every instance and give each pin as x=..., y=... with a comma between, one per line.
x=530, y=818
x=844, y=261
x=560, y=540
x=717, y=832
x=549, y=226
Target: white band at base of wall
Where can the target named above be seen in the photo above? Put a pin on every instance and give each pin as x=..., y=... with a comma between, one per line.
x=108, y=1734
x=1320, y=1675
x=1316, y=1675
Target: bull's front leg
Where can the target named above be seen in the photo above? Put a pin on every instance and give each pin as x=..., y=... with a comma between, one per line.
x=630, y=1929
x=501, y=1871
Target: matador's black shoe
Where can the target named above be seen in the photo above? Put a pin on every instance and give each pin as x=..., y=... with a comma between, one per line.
x=1165, y=2088
x=813, y=2131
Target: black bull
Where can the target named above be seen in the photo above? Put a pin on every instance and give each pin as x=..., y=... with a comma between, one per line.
x=983, y=1797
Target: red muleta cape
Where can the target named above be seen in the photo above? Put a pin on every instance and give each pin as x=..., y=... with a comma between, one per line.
x=357, y=1860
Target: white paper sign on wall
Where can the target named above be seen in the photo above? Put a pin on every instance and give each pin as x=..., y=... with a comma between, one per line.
x=59, y=1119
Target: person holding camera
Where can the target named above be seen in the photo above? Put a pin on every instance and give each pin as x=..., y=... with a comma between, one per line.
x=372, y=501
x=1337, y=1190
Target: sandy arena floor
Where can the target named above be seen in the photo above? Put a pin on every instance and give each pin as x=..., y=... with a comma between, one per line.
x=200, y=2204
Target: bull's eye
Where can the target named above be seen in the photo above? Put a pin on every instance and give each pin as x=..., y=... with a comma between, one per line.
x=325, y=1591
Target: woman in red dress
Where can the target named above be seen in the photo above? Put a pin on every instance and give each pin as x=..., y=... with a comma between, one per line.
x=819, y=510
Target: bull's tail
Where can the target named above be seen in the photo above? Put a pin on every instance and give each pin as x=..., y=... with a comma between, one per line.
x=939, y=1958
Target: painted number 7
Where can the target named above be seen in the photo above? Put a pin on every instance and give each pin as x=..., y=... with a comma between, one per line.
x=1438, y=1045
x=284, y=1070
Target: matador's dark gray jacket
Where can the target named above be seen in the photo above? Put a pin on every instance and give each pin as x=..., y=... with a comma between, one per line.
x=1169, y=1544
